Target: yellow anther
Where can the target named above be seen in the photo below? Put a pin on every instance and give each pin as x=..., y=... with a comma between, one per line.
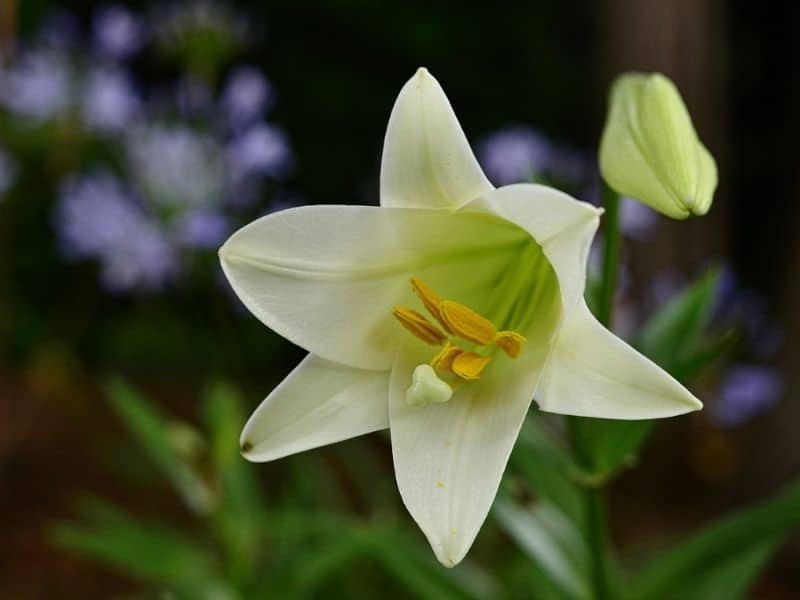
x=466, y=323
x=443, y=361
x=418, y=325
x=430, y=299
x=510, y=342
x=470, y=365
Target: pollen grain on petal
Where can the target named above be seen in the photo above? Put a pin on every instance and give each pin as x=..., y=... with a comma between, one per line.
x=470, y=365
x=418, y=325
x=443, y=361
x=466, y=323
x=430, y=299
x=510, y=342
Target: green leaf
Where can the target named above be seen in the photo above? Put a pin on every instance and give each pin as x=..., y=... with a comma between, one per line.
x=676, y=339
x=604, y=445
x=548, y=467
x=671, y=336
x=414, y=567
x=157, y=437
x=149, y=551
x=741, y=541
x=552, y=542
x=240, y=517
x=732, y=578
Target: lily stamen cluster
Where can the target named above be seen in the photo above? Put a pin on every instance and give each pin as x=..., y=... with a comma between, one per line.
x=459, y=321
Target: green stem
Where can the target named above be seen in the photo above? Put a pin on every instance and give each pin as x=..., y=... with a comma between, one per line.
x=608, y=285
x=594, y=496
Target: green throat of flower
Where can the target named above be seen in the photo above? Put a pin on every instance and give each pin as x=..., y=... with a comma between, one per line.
x=456, y=324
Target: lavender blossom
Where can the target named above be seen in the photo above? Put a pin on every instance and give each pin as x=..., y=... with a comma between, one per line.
x=96, y=218
x=118, y=33
x=637, y=220
x=203, y=230
x=110, y=101
x=745, y=392
x=176, y=167
x=246, y=96
x=261, y=150
x=38, y=86
x=514, y=154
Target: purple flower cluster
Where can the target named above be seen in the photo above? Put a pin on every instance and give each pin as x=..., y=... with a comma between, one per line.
x=118, y=33
x=97, y=218
x=745, y=392
x=188, y=159
x=39, y=86
x=518, y=154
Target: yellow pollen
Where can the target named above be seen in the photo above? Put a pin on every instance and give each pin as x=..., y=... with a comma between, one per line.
x=419, y=326
x=430, y=299
x=510, y=342
x=443, y=361
x=470, y=365
x=466, y=323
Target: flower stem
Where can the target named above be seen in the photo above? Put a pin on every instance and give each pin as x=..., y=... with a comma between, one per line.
x=608, y=284
x=594, y=496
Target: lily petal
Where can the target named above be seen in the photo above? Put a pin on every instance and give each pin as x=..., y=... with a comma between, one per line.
x=563, y=227
x=449, y=458
x=427, y=161
x=593, y=373
x=319, y=403
x=327, y=277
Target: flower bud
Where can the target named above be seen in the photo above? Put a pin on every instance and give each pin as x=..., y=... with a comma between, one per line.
x=650, y=149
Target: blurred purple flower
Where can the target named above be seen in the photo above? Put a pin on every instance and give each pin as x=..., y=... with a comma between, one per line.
x=8, y=171
x=519, y=154
x=514, y=154
x=110, y=101
x=745, y=391
x=637, y=220
x=176, y=167
x=38, y=86
x=118, y=33
x=203, y=230
x=247, y=94
x=262, y=149
x=97, y=218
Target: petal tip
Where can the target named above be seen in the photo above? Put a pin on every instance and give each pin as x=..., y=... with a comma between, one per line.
x=451, y=555
x=422, y=72
x=246, y=447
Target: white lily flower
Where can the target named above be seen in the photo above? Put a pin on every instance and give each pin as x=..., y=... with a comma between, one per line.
x=500, y=273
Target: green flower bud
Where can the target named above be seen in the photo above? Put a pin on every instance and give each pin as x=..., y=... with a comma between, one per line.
x=650, y=149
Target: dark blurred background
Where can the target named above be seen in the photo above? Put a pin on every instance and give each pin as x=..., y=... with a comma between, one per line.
x=199, y=116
